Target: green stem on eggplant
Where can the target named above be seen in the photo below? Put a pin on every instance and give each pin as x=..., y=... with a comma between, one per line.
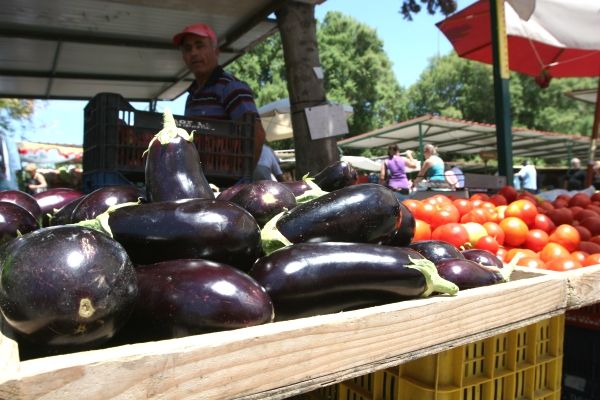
x=100, y=223
x=314, y=192
x=434, y=282
x=270, y=237
x=169, y=131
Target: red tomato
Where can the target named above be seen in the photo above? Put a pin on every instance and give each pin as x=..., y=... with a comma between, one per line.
x=515, y=231
x=480, y=196
x=494, y=230
x=567, y=236
x=422, y=231
x=501, y=254
x=498, y=200
x=501, y=210
x=487, y=243
x=509, y=192
x=453, y=233
x=536, y=240
x=563, y=264
x=579, y=256
x=553, y=250
x=531, y=262
x=437, y=214
x=592, y=259
x=524, y=209
x=478, y=215
x=412, y=205
x=463, y=206
x=544, y=223
x=512, y=253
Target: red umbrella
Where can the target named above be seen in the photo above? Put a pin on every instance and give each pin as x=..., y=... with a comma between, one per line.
x=560, y=37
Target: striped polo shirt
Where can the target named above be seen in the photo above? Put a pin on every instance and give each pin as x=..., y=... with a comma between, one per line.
x=222, y=97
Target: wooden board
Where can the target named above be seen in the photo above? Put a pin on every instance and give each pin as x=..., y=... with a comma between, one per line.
x=583, y=287
x=286, y=358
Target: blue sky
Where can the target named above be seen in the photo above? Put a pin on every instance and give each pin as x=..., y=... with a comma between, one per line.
x=408, y=44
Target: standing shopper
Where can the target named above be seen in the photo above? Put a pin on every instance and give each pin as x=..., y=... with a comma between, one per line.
x=215, y=93
x=267, y=167
x=528, y=177
x=396, y=165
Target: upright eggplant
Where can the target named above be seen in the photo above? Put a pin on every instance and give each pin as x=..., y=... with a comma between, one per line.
x=336, y=176
x=192, y=228
x=98, y=201
x=365, y=213
x=173, y=167
x=183, y=297
x=264, y=199
x=66, y=287
x=308, y=279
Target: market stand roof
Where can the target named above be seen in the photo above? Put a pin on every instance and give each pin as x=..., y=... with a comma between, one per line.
x=74, y=49
x=470, y=138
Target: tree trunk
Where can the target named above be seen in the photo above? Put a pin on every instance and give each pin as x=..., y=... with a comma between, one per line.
x=298, y=29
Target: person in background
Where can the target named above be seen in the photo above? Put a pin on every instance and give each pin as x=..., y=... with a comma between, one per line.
x=215, y=93
x=35, y=182
x=575, y=178
x=596, y=177
x=528, y=177
x=268, y=167
x=396, y=165
x=432, y=169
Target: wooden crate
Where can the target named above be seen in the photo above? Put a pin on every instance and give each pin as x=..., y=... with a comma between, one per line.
x=287, y=358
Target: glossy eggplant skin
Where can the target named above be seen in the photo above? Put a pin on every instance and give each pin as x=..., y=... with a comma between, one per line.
x=193, y=228
x=15, y=220
x=24, y=200
x=174, y=172
x=54, y=199
x=365, y=213
x=231, y=191
x=66, y=287
x=467, y=274
x=64, y=215
x=98, y=201
x=264, y=199
x=336, y=176
x=436, y=250
x=406, y=232
x=309, y=279
x=184, y=297
x=482, y=257
x=297, y=187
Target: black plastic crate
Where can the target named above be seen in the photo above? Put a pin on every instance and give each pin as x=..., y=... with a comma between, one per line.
x=116, y=136
x=98, y=179
x=581, y=364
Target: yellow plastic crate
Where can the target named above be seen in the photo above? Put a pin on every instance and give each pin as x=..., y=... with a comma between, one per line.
x=523, y=364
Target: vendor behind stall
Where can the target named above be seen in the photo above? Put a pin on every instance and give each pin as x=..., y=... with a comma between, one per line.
x=215, y=93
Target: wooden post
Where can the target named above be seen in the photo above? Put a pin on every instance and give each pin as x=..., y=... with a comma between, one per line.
x=298, y=29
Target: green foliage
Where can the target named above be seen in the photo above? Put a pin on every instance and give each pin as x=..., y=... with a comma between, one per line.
x=410, y=7
x=14, y=110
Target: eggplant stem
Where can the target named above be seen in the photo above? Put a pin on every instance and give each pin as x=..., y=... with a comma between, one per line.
x=434, y=283
x=313, y=193
x=100, y=223
x=270, y=237
x=169, y=131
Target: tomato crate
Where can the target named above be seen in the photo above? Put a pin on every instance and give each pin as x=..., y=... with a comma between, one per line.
x=522, y=364
x=116, y=135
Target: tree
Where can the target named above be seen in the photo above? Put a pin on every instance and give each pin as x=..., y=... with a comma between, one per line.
x=410, y=7
x=12, y=110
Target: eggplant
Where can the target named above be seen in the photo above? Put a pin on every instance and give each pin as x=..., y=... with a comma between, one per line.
x=365, y=213
x=436, y=250
x=336, y=176
x=297, y=187
x=308, y=279
x=66, y=287
x=231, y=191
x=192, y=228
x=406, y=232
x=24, y=200
x=173, y=169
x=185, y=297
x=264, y=199
x=64, y=215
x=467, y=274
x=482, y=257
x=15, y=220
x=98, y=201
x=54, y=199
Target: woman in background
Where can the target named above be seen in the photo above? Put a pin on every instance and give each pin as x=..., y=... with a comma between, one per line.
x=396, y=165
x=432, y=169
x=35, y=182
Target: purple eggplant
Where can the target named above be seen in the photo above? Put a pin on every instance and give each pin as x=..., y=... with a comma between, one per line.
x=308, y=279
x=24, y=200
x=173, y=168
x=231, y=191
x=54, y=199
x=482, y=257
x=184, y=297
x=98, y=201
x=297, y=187
x=336, y=176
x=264, y=199
x=366, y=213
x=193, y=228
x=66, y=287
x=15, y=220
x=467, y=274
x=63, y=215
x=406, y=232
x=436, y=250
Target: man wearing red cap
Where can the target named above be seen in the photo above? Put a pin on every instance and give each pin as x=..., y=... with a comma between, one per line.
x=214, y=93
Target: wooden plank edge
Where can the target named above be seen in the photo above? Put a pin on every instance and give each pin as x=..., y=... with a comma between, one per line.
x=583, y=287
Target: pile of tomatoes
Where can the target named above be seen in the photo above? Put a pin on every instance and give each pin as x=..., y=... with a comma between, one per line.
x=560, y=235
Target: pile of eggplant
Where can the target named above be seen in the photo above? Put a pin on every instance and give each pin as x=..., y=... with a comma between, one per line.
x=125, y=264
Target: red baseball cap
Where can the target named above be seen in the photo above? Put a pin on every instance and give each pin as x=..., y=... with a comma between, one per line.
x=202, y=30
